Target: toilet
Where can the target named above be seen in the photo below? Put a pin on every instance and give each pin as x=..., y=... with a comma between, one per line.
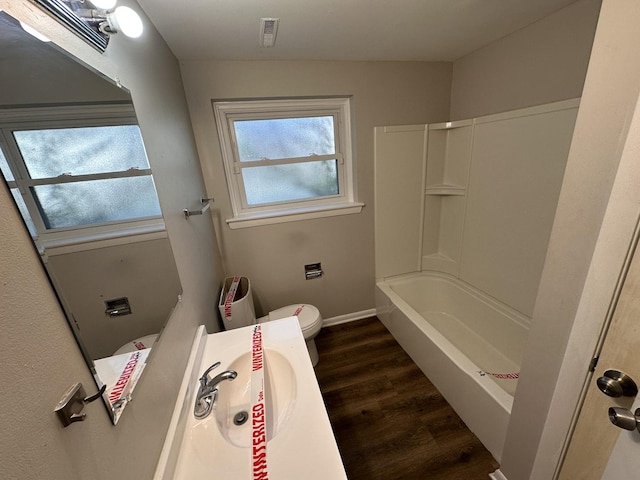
x=310, y=323
x=237, y=310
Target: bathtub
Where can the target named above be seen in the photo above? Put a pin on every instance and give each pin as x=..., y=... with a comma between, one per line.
x=456, y=334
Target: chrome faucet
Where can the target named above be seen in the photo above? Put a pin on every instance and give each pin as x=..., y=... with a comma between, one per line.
x=208, y=390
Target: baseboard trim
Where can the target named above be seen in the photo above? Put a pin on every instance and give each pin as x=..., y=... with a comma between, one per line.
x=497, y=475
x=349, y=317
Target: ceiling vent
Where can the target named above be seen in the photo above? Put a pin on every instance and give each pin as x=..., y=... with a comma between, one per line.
x=268, y=31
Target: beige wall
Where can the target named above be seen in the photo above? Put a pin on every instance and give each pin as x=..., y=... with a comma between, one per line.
x=143, y=271
x=542, y=63
x=384, y=93
x=38, y=354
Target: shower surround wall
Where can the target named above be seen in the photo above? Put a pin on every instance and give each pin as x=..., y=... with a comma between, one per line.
x=475, y=202
x=474, y=198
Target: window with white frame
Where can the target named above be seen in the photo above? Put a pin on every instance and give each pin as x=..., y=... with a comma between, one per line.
x=78, y=171
x=287, y=159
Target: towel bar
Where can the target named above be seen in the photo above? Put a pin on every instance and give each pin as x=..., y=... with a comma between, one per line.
x=206, y=204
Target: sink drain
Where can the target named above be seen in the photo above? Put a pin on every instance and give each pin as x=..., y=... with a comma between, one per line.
x=240, y=418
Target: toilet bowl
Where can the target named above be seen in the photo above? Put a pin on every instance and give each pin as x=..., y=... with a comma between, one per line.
x=310, y=322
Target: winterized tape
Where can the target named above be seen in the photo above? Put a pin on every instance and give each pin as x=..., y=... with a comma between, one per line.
x=231, y=294
x=501, y=376
x=121, y=384
x=258, y=410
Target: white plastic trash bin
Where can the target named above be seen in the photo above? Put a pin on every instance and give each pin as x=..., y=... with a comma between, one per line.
x=236, y=303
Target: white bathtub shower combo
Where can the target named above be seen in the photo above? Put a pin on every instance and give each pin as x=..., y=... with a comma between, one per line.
x=463, y=216
x=456, y=334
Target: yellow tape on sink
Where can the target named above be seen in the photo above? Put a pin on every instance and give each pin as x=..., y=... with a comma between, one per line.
x=258, y=412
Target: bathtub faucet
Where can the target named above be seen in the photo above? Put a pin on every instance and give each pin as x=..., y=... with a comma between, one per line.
x=208, y=390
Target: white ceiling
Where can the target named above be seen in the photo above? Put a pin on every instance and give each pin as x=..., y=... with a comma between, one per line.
x=425, y=30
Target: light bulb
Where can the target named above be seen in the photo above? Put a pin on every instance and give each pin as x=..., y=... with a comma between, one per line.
x=127, y=21
x=104, y=4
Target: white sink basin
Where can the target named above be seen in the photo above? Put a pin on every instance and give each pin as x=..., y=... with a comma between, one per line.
x=300, y=442
x=235, y=398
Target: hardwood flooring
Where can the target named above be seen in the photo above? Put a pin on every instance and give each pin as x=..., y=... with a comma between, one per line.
x=390, y=422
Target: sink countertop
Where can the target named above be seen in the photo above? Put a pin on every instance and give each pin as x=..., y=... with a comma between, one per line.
x=304, y=447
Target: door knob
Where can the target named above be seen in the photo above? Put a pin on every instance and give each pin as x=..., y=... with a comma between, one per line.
x=623, y=418
x=617, y=384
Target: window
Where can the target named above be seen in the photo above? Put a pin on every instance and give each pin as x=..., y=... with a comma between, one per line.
x=78, y=171
x=287, y=159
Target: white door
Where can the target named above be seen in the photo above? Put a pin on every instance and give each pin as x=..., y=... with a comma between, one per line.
x=599, y=450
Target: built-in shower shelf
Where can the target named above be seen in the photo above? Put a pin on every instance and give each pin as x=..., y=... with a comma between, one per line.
x=448, y=160
x=451, y=125
x=445, y=189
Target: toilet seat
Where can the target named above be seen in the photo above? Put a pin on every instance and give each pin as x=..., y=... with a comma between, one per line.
x=308, y=316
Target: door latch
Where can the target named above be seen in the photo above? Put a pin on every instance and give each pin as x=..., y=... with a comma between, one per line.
x=623, y=418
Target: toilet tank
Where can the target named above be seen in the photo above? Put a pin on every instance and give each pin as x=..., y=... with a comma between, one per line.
x=236, y=303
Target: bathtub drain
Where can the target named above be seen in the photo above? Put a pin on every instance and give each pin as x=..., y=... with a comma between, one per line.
x=240, y=418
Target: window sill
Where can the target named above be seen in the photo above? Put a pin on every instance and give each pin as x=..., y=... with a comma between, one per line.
x=102, y=238
x=283, y=216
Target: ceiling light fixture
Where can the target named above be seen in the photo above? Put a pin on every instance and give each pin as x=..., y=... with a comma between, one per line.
x=125, y=20
x=108, y=21
x=268, y=31
x=104, y=4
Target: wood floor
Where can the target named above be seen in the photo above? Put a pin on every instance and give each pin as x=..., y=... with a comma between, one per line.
x=390, y=422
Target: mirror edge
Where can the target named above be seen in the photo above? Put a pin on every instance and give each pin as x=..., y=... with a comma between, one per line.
x=73, y=22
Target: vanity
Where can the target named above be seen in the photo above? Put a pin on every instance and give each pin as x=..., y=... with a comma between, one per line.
x=299, y=439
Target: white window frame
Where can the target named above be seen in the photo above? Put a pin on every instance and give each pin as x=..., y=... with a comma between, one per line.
x=244, y=215
x=69, y=116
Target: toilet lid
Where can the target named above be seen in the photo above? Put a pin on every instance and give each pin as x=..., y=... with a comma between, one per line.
x=308, y=315
x=137, y=344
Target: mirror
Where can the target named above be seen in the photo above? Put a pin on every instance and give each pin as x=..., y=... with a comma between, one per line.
x=72, y=156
